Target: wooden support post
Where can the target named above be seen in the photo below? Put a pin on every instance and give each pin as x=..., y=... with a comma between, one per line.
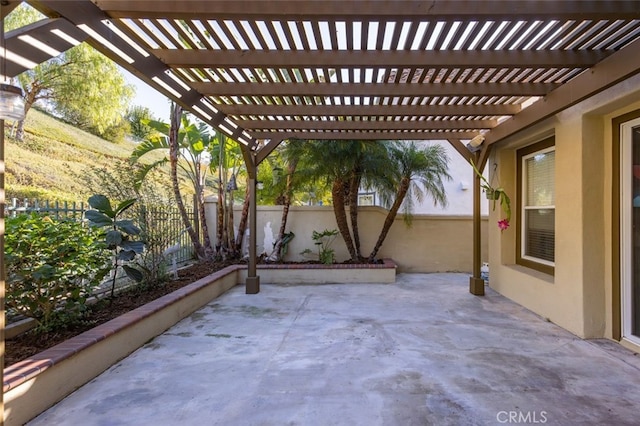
x=476, y=284
x=253, y=280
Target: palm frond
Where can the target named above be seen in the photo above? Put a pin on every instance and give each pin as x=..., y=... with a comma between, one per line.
x=143, y=171
x=147, y=146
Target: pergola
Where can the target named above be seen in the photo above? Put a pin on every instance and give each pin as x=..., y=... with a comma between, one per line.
x=264, y=71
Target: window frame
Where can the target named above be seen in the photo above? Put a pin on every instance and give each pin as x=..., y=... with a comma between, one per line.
x=541, y=265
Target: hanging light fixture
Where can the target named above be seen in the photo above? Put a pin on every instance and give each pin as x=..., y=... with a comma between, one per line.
x=11, y=103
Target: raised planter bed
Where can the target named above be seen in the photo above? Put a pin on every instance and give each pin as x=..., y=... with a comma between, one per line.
x=305, y=273
x=33, y=385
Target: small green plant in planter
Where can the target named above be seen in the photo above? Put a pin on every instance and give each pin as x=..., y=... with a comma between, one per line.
x=323, y=241
x=120, y=235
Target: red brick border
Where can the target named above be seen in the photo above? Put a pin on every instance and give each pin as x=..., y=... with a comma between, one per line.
x=386, y=264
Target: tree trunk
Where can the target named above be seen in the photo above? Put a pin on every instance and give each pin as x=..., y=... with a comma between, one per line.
x=337, y=191
x=30, y=98
x=231, y=237
x=220, y=221
x=199, y=207
x=354, y=186
x=208, y=249
x=291, y=168
x=391, y=216
x=242, y=226
x=20, y=131
x=173, y=160
x=220, y=212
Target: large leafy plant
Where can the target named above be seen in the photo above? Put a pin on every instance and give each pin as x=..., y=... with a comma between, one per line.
x=323, y=241
x=52, y=267
x=120, y=235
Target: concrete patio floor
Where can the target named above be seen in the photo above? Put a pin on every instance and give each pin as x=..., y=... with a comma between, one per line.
x=419, y=352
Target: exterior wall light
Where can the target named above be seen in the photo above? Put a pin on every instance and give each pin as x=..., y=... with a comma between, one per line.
x=11, y=103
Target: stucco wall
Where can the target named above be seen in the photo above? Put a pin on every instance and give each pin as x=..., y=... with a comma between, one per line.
x=431, y=244
x=459, y=189
x=578, y=296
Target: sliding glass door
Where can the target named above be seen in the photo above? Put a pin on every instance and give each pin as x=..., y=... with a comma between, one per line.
x=630, y=229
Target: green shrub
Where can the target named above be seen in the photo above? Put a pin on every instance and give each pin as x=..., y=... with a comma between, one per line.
x=52, y=267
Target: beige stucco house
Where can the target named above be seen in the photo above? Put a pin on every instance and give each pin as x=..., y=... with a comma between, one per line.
x=573, y=177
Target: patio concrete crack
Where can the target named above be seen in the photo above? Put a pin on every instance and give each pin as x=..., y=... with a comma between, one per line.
x=299, y=311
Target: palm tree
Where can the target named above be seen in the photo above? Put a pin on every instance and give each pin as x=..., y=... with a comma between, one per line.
x=292, y=151
x=190, y=142
x=345, y=165
x=417, y=172
x=331, y=163
x=226, y=162
x=370, y=169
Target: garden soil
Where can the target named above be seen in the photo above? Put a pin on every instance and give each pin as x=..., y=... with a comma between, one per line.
x=29, y=344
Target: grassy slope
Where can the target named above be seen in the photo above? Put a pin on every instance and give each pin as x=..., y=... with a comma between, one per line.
x=47, y=164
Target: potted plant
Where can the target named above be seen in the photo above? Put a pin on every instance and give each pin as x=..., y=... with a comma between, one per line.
x=497, y=194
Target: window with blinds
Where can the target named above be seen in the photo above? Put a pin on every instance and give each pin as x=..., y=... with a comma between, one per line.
x=536, y=184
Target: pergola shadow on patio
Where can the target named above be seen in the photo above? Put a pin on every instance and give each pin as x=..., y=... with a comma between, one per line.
x=416, y=352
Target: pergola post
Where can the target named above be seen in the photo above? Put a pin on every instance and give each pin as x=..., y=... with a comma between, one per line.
x=253, y=280
x=476, y=284
x=252, y=285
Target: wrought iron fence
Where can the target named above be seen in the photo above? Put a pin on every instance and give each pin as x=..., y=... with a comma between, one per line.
x=162, y=226
x=57, y=209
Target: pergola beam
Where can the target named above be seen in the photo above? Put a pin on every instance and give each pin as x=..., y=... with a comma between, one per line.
x=373, y=89
x=617, y=67
x=461, y=148
x=406, y=10
x=363, y=135
x=366, y=125
x=17, y=41
x=371, y=110
x=388, y=59
x=267, y=149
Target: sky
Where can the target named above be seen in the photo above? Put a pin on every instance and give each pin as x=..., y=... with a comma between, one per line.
x=146, y=96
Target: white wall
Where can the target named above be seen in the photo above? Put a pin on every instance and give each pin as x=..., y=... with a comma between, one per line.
x=460, y=199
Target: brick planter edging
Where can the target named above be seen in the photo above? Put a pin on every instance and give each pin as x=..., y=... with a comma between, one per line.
x=22, y=371
x=386, y=264
x=338, y=273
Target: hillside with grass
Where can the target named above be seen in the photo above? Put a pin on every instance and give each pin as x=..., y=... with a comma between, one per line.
x=56, y=161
